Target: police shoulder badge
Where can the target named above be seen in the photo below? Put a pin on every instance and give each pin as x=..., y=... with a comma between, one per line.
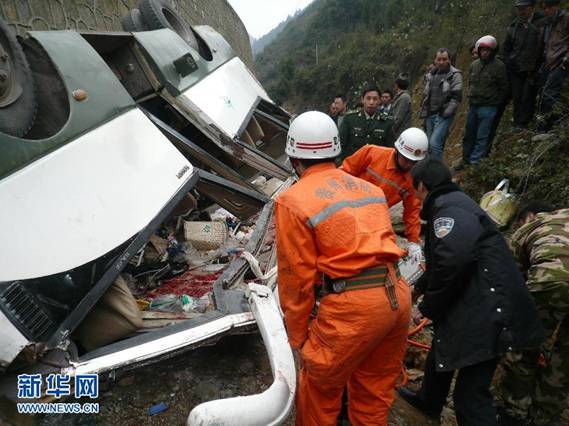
x=443, y=226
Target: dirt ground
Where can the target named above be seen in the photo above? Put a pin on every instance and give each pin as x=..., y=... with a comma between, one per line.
x=237, y=365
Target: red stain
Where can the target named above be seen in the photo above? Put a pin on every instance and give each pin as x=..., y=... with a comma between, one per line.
x=189, y=283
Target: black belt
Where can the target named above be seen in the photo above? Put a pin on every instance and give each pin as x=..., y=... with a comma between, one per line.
x=379, y=276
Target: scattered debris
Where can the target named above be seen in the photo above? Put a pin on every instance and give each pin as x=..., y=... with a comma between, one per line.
x=206, y=235
x=158, y=408
x=542, y=137
x=166, y=303
x=195, y=304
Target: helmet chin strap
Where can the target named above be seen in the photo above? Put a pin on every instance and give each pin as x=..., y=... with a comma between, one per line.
x=397, y=154
x=295, y=172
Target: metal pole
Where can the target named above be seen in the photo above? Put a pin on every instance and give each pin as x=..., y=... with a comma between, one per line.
x=316, y=53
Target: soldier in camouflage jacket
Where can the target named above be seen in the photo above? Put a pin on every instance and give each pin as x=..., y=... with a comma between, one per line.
x=540, y=394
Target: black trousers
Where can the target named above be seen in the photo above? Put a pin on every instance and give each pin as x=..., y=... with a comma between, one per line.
x=553, y=87
x=473, y=402
x=524, y=94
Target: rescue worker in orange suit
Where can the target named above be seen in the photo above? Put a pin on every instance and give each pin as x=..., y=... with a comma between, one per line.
x=334, y=229
x=389, y=169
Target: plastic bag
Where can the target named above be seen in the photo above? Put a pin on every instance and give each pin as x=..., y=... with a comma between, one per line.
x=194, y=304
x=166, y=303
x=499, y=204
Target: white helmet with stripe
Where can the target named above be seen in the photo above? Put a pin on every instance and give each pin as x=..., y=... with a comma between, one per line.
x=313, y=135
x=413, y=144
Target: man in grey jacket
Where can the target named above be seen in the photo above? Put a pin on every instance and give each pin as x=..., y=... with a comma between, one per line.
x=401, y=105
x=441, y=98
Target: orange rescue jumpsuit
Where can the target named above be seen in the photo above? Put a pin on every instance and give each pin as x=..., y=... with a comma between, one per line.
x=339, y=225
x=377, y=165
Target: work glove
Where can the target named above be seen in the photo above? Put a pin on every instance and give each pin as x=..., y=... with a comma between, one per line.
x=414, y=252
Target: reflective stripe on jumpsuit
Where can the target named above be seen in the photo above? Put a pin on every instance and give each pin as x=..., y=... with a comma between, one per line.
x=334, y=224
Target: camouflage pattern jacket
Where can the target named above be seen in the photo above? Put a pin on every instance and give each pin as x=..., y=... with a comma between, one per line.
x=541, y=248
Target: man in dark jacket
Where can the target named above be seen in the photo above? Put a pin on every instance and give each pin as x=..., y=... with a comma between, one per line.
x=401, y=106
x=475, y=296
x=520, y=55
x=341, y=102
x=488, y=90
x=386, y=99
x=555, y=47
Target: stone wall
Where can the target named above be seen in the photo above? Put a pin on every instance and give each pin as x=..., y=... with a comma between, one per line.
x=105, y=15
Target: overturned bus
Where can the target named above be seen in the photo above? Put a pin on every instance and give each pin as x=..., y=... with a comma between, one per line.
x=138, y=171
x=137, y=175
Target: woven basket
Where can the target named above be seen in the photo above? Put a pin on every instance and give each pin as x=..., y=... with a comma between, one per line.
x=206, y=235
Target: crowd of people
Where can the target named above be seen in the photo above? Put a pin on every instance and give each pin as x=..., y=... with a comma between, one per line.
x=347, y=308
x=530, y=69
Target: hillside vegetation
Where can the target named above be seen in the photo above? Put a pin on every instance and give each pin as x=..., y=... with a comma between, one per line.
x=335, y=46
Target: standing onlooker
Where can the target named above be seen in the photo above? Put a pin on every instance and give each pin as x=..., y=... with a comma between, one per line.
x=401, y=105
x=366, y=126
x=475, y=296
x=520, y=55
x=441, y=98
x=386, y=98
x=341, y=103
x=473, y=52
x=335, y=228
x=333, y=111
x=534, y=394
x=555, y=44
x=487, y=92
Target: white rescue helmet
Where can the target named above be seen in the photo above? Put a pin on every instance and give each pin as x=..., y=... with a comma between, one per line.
x=487, y=41
x=413, y=144
x=313, y=135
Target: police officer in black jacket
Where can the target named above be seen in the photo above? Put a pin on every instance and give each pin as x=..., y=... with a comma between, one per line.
x=475, y=296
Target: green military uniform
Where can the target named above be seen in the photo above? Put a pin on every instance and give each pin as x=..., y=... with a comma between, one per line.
x=541, y=248
x=359, y=129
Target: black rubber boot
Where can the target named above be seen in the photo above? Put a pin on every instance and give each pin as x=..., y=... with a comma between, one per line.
x=413, y=399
